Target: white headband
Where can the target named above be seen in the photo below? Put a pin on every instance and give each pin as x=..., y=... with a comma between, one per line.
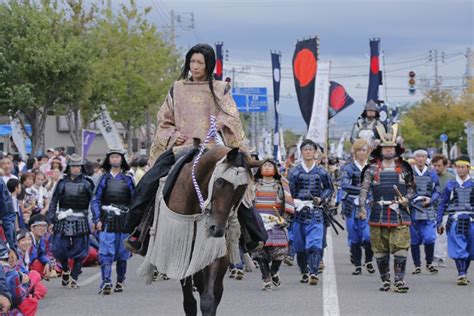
x=39, y=223
x=420, y=152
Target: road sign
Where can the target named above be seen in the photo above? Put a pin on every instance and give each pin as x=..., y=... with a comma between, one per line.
x=443, y=137
x=251, y=99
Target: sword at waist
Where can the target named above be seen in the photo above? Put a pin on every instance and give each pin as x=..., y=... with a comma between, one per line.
x=63, y=213
x=457, y=214
x=385, y=203
x=300, y=204
x=114, y=209
x=455, y=209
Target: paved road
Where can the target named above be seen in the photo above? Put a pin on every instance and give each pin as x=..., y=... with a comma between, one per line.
x=338, y=293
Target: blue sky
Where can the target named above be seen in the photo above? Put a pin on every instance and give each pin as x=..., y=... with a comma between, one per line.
x=408, y=30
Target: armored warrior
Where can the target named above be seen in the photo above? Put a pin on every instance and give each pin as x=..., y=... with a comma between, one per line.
x=423, y=214
x=358, y=231
x=110, y=212
x=311, y=188
x=390, y=182
x=68, y=212
x=366, y=125
x=458, y=200
x=273, y=202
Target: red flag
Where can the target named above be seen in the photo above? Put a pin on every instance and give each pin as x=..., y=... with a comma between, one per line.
x=338, y=99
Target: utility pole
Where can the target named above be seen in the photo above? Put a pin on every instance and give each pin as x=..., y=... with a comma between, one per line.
x=436, y=70
x=172, y=28
x=469, y=69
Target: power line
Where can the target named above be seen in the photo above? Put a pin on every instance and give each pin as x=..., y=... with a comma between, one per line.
x=273, y=4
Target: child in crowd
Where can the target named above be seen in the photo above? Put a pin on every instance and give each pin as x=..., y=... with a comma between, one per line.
x=35, y=289
x=39, y=260
x=40, y=193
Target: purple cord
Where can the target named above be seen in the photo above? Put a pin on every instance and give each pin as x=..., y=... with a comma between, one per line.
x=211, y=134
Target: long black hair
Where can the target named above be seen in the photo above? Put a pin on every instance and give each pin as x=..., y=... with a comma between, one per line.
x=210, y=60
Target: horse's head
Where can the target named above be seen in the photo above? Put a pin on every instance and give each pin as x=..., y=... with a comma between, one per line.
x=230, y=181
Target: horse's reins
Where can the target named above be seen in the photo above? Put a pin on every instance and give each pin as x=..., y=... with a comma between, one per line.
x=235, y=175
x=211, y=134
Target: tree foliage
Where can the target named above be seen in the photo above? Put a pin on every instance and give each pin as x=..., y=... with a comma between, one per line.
x=42, y=62
x=135, y=66
x=61, y=57
x=439, y=112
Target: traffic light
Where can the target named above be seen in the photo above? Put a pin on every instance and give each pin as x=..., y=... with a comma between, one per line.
x=411, y=83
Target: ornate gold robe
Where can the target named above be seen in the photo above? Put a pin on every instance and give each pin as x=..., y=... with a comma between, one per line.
x=186, y=111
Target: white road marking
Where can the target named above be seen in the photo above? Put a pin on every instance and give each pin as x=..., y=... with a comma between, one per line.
x=330, y=298
x=93, y=277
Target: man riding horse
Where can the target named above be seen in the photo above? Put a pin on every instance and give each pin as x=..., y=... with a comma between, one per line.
x=183, y=118
x=184, y=122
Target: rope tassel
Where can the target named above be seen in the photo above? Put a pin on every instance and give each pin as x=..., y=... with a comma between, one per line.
x=211, y=134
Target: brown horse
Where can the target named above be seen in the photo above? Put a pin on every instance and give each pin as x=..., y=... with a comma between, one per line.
x=225, y=197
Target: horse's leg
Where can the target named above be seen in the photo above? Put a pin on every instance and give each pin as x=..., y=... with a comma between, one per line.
x=198, y=281
x=223, y=263
x=207, y=296
x=189, y=302
x=212, y=277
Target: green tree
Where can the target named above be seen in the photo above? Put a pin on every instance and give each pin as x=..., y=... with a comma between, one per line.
x=134, y=68
x=77, y=107
x=439, y=112
x=42, y=62
x=291, y=139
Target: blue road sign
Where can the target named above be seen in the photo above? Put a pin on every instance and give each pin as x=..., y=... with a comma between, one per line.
x=443, y=137
x=251, y=99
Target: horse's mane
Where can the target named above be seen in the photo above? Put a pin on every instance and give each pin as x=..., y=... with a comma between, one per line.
x=203, y=172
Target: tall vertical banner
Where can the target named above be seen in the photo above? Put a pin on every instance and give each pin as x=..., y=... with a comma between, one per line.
x=87, y=140
x=219, y=61
x=18, y=137
x=276, y=71
x=318, y=127
x=108, y=129
x=374, y=73
x=305, y=65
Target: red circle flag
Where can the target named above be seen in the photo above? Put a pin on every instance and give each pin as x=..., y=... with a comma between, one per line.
x=305, y=67
x=219, y=67
x=338, y=98
x=374, y=65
